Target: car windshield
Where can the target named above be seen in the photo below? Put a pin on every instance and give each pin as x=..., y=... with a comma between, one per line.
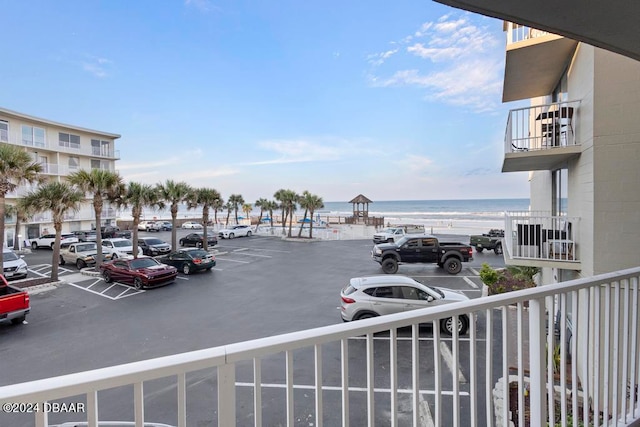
x=197, y=254
x=401, y=241
x=122, y=243
x=10, y=256
x=86, y=248
x=144, y=263
x=154, y=242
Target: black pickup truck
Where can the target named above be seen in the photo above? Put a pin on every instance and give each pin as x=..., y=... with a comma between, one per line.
x=491, y=241
x=422, y=249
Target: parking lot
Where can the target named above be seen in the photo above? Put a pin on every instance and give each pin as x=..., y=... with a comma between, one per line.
x=261, y=286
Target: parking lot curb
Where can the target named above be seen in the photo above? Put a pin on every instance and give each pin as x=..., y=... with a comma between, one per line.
x=90, y=271
x=33, y=290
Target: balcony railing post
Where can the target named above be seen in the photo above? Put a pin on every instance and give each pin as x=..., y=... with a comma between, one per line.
x=226, y=395
x=537, y=363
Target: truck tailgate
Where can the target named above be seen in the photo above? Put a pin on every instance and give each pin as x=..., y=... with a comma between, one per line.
x=13, y=302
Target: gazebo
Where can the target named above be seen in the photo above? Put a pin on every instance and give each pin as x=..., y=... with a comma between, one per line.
x=360, y=207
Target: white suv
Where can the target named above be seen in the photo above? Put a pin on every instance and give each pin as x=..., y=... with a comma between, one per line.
x=48, y=240
x=119, y=248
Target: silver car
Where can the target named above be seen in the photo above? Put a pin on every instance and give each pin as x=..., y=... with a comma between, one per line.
x=366, y=297
x=14, y=266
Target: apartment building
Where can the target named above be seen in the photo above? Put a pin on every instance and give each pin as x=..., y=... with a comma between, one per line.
x=580, y=141
x=61, y=149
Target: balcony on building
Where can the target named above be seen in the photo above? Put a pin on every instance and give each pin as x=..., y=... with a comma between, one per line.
x=541, y=137
x=534, y=63
x=540, y=239
x=104, y=152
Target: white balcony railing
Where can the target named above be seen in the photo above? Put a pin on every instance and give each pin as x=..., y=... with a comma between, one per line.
x=517, y=33
x=541, y=236
x=501, y=371
x=82, y=149
x=542, y=127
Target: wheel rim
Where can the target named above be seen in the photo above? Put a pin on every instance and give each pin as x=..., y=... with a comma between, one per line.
x=248, y=234
x=80, y=264
x=453, y=266
x=186, y=269
x=106, y=276
x=34, y=245
x=448, y=324
x=137, y=283
x=231, y=235
x=114, y=256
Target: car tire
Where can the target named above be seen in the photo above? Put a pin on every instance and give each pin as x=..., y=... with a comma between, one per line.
x=498, y=249
x=18, y=320
x=137, y=283
x=114, y=256
x=107, y=276
x=231, y=235
x=390, y=266
x=80, y=264
x=446, y=325
x=186, y=269
x=200, y=245
x=479, y=250
x=366, y=315
x=453, y=266
x=52, y=245
x=390, y=240
x=34, y=246
x=62, y=262
x=248, y=234
x=181, y=242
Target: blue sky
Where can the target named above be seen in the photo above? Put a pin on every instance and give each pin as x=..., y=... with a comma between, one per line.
x=396, y=102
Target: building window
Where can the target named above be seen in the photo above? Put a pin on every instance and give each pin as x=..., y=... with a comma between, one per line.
x=69, y=140
x=4, y=131
x=33, y=136
x=100, y=148
x=74, y=164
x=99, y=164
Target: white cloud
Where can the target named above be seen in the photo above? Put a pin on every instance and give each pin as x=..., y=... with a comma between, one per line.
x=201, y=5
x=377, y=59
x=99, y=67
x=464, y=66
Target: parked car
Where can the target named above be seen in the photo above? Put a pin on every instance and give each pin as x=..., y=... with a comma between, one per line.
x=491, y=241
x=197, y=240
x=82, y=254
x=48, y=240
x=192, y=225
x=86, y=236
x=14, y=266
x=142, y=272
x=153, y=247
x=366, y=297
x=152, y=226
x=189, y=260
x=119, y=247
x=391, y=234
x=412, y=249
x=166, y=226
x=142, y=225
x=109, y=231
x=235, y=231
x=14, y=302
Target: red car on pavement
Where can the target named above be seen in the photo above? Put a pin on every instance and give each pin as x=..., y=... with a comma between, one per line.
x=142, y=272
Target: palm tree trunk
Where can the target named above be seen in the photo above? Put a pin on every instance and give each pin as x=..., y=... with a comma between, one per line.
x=259, y=219
x=16, y=238
x=311, y=224
x=284, y=218
x=2, y=201
x=290, y=221
x=228, y=215
x=97, y=206
x=302, y=224
x=205, y=221
x=136, y=213
x=55, y=257
x=174, y=217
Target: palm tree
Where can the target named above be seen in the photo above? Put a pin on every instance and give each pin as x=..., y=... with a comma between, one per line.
x=279, y=196
x=205, y=197
x=311, y=202
x=289, y=200
x=271, y=206
x=59, y=198
x=301, y=200
x=174, y=193
x=217, y=205
x=236, y=200
x=138, y=196
x=228, y=207
x=247, y=208
x=260, y=203
x=16, y=167
x=104, y=185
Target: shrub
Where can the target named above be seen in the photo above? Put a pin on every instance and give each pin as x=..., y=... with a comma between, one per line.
x=514, y=278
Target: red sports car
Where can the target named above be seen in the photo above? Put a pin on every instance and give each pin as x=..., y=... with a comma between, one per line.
x=142, y=272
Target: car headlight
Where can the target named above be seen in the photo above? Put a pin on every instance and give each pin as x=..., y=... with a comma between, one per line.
x=377, y=251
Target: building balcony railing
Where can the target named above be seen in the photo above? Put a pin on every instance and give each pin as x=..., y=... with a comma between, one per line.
x=75, y=149
x=517, y=33
x=542, y=240
x=540, y=137
x=379, y=371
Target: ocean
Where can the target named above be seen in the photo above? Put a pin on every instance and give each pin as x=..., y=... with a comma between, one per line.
x=460, y=216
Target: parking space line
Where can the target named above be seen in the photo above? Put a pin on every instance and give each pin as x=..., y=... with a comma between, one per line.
x=470, y=282
x=94, y=283
x=362, y=389
x=257, y=249
x=91, y=290
x=233, y=260
x=258, y=255
x=240, y=249
x=448, y=360
x=182, y=278
x=474, y=271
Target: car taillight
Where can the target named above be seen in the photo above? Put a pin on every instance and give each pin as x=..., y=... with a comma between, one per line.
x=197, y=261
x=348, y=300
